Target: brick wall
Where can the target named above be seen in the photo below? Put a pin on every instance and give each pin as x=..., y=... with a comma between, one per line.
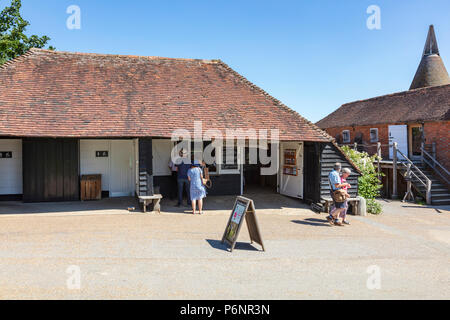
x=370, y=147
x=439, y=132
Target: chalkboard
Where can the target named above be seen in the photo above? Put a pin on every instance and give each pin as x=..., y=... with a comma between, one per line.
x=243, y=209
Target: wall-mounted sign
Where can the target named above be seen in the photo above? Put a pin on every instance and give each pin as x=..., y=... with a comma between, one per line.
x=101, y=154
x=290, y=171
x=243, y=208
x=5, y=154
x=290, y=157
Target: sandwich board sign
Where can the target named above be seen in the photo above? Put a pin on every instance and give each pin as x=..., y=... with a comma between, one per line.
x=243, y=209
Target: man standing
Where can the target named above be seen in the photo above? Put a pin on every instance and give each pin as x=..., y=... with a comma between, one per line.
x=173, y=180
x=335, y=184
x=183, y=166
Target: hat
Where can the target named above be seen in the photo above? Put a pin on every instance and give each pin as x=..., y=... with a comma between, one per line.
x=196, y=163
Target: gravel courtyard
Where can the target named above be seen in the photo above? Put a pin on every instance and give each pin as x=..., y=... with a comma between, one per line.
x=174, y=255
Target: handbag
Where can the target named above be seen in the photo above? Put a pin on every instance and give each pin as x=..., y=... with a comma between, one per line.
x=338, y=195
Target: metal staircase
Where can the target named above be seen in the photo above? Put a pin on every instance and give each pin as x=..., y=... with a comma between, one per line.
x=423, y=176
x=440, y=194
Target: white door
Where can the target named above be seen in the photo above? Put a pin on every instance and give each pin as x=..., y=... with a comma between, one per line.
x=10, y=166
x=161, y=151
x=121, y=181
x=399, y=134
x=291, y=169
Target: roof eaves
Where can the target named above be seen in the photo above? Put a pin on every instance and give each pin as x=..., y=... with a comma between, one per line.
x=276, y=101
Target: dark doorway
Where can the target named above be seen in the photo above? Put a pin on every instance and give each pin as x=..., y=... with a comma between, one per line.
x=50, y=170
x=253, y=180
x=311, y=171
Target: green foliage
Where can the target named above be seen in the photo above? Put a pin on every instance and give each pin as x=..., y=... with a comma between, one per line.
x=373, y=207
x=369, y=184
x=13, y=41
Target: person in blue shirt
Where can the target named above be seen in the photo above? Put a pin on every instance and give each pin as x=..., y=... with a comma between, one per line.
x=198, y=191
x=335, y=184
x=183, y=165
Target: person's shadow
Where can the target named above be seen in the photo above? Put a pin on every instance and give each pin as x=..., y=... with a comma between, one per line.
x=313, y=222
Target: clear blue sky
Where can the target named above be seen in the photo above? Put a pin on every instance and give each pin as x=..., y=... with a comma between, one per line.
x=311, y=55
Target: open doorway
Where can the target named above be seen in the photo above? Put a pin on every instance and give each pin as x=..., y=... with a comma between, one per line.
x=253, y=180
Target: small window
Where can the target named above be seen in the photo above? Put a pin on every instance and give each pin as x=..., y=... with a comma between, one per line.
x=374, y=135
x=346, y=136
x=229, y=159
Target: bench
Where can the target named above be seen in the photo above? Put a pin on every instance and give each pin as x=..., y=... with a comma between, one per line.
x=154, y=199
x=354, y=202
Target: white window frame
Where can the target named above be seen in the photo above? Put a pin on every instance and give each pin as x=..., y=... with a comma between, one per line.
x=343, y=136
x=219, y=155
x=370, y=135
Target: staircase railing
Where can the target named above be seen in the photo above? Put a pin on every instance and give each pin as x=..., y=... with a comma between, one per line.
x=414, y=171
x=435, y=165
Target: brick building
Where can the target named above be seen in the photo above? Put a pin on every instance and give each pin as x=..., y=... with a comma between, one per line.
x=410, y=118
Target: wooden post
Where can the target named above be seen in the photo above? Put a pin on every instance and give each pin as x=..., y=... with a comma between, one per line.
x=428, y=192
x=433, y=152
x=422, y=148
x=394, y=172
x=379, y=157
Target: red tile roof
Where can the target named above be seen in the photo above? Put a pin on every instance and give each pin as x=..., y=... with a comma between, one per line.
x=423, y=104
x=60, y=94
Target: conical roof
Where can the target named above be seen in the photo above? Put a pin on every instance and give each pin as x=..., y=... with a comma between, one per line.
x=431, y=70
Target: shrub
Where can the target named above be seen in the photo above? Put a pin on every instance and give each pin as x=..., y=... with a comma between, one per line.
x=369, y=184
x=373, y=207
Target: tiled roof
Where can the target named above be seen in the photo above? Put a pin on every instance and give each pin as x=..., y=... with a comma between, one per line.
x=423, y=104
x=431, y=70
x=60, y=94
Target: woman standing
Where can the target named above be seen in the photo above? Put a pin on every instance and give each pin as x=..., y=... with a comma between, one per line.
x=197, y=189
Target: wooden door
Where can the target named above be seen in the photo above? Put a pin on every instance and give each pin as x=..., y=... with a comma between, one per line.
x=50, y=170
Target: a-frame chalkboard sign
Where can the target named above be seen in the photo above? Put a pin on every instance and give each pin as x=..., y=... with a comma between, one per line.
x=243, y=207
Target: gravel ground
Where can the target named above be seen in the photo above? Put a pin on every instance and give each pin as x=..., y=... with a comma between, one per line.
x=174, y=255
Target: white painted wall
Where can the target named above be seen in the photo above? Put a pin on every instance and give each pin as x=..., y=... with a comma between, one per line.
x=89, y=164
x=117, y=170
x=11, y=169
x=161, y=149
x=292, y=185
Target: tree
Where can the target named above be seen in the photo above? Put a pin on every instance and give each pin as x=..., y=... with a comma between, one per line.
x=13, y=41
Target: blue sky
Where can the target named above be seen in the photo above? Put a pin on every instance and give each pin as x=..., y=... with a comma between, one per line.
x=311, y=55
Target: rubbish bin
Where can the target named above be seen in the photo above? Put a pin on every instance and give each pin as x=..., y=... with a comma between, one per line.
x=91, y=187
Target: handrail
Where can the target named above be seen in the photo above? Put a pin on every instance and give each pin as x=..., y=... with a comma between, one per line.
x=414, y=166
x=433, y=165
x=411, y=165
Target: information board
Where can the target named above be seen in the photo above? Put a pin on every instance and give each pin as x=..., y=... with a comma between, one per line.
x=243, y=209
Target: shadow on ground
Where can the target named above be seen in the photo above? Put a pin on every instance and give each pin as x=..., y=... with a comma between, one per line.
x=313, y=222
x=18, y=207
x=217, y=244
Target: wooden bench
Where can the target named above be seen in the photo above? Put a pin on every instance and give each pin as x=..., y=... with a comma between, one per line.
x=154, y=199
x=351, y=202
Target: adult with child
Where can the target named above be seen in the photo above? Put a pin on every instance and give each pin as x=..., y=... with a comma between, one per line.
x=338, y=194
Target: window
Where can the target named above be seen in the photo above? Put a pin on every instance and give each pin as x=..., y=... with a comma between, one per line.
x=346, y=136
x=229, y=159
x=374, y=135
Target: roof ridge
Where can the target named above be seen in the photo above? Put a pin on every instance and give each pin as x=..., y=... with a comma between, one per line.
x=278, y=102
x=212, y=61
x=411, y=91
x=16, y=59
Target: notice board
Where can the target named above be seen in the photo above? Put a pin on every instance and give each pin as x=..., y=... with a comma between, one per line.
x=243, y=208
